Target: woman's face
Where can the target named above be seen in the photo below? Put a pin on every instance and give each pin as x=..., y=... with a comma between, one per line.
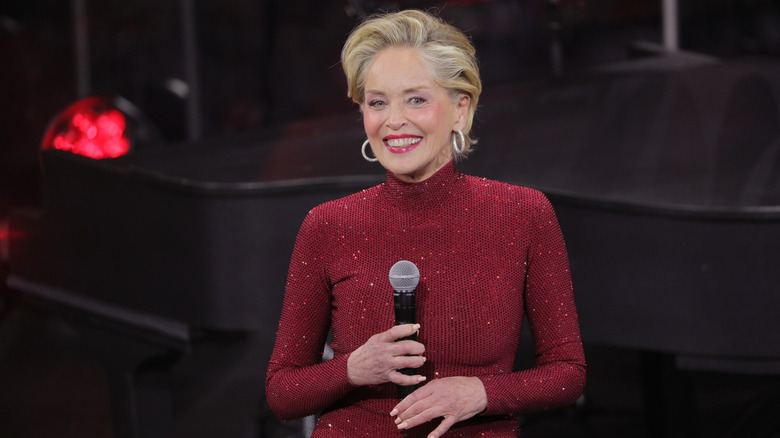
x=409, y=118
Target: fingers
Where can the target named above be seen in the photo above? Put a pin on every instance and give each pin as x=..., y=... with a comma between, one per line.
x=409, y=409
x=405, y=404
x=453, y=398
x=407, y=354
x=379, y=359
x=404, y=380
x=397, y=332
x=444, y=426
x=425, y=416
x=408, y=347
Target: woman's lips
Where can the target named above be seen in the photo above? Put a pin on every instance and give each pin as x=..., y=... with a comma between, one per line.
x=401, y=144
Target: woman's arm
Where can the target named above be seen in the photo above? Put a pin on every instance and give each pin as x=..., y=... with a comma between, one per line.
x=298, y=383
x=558, y=377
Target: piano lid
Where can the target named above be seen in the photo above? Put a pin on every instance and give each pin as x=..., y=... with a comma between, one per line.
x=298, y=156
x=699, y=140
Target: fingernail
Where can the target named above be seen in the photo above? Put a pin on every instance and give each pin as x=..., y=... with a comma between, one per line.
x=397, y=421
x=394, y=412
x=417, y=327
x=421, y=378
x=402, y=425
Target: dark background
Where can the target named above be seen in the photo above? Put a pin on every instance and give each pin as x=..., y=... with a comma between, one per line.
x=262, y=64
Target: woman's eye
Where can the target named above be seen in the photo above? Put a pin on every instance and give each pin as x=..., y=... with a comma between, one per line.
x=417, y=100
x=376, y=104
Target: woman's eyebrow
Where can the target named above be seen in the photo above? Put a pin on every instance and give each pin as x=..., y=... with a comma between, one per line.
x=406, y=91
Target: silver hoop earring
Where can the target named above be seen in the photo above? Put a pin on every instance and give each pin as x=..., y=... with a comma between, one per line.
x=365, y=156
x=458, y=149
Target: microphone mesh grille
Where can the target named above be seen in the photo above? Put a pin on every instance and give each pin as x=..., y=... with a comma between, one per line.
x=404, y=276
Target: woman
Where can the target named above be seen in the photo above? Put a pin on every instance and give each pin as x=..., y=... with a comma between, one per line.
x=487, y=252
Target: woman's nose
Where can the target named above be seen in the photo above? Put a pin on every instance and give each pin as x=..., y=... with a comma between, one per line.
x=396, y=118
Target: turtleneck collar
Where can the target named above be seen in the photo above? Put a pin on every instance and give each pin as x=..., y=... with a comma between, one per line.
x=427, y=193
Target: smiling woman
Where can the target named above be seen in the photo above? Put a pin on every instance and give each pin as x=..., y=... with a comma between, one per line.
x=488, y=255
x=408, y=117
x=447, y=53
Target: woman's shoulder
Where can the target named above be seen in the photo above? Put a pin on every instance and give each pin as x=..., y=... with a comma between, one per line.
x=346, y=206
x=506, y=192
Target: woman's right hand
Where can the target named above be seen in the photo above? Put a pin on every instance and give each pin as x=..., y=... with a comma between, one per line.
x=379, y=359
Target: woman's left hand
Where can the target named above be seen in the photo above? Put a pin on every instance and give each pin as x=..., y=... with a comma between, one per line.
x=454, y=398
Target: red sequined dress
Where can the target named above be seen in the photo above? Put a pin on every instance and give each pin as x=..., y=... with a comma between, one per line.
x=488, y=253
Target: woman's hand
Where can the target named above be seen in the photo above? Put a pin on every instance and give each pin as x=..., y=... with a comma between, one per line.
x=454, y=398
x=379, y=359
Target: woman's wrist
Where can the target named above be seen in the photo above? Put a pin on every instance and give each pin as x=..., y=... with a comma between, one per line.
x=484, y=397
x=349, y=370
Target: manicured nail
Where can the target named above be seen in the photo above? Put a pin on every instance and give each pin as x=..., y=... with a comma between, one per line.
x=421, y=379
x=416, y=327
x=394, y=412
x=402, y=425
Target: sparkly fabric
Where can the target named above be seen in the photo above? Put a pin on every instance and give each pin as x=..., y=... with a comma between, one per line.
x=488, y=252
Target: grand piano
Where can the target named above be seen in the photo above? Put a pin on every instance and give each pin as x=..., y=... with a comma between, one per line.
x=665, y=177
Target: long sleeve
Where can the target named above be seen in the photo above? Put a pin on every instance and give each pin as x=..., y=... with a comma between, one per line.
x=558, y=377
x=298, y=383
x=488, y=254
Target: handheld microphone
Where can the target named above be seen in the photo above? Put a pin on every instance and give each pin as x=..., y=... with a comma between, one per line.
x=404, y=277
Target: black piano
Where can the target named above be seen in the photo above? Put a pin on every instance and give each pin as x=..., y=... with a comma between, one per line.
x=665, y=178
x=155, y=254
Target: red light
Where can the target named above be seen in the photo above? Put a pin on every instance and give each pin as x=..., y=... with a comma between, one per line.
x=91, y=127
x=5, y=237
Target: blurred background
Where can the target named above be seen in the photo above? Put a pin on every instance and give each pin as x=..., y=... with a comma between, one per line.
x=211, y=85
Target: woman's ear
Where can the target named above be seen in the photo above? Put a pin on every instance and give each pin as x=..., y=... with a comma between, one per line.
x=462, y=105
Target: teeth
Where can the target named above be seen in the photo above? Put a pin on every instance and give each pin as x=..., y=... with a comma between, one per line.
x=400, y=142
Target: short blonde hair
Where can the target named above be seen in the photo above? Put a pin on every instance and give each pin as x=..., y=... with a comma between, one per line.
x=448, y=52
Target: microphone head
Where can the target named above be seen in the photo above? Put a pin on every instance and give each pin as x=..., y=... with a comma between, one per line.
x=404, y=276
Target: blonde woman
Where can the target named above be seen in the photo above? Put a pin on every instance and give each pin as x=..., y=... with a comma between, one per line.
x=489, y=254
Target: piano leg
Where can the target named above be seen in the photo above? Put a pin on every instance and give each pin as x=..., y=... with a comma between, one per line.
x=137, y=350
x=669, y=397
x=139, y=379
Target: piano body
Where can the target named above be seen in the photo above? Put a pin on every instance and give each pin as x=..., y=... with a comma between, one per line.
x=667, y=187
x=156, y=253
x=665, y=181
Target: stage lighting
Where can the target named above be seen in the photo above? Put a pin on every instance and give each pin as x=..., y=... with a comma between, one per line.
x=5, y=237
x=96, y=127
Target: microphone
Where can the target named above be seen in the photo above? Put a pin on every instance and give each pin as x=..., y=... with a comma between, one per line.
x=404, y=277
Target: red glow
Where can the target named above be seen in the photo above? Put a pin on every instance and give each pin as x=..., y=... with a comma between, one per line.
x=92, y=128
x=5, y=237
x=5, y=232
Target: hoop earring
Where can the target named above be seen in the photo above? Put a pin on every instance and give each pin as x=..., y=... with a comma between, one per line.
x=365, y=156
x=458, y=149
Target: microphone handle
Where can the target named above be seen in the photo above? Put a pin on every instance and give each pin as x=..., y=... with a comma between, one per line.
x=405, y=311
